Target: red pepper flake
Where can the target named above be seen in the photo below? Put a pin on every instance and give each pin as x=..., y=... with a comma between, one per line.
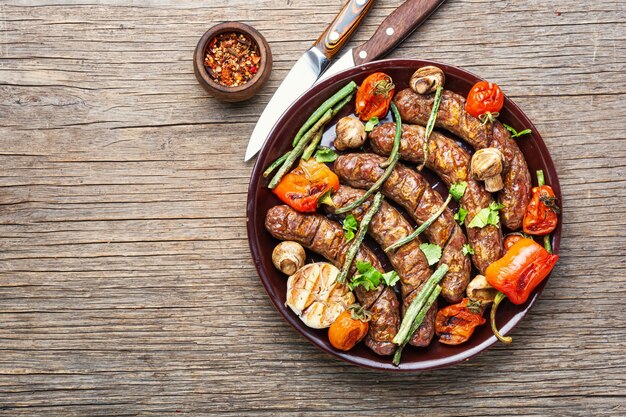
x=232, y=59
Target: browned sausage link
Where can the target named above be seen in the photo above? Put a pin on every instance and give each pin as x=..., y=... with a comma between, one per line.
x=326, y=237
x=410, y=190
x=415, y=108
x=452, y=163
x=387, y=226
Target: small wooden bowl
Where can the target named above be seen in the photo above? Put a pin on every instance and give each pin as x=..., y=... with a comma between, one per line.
x=242, y=92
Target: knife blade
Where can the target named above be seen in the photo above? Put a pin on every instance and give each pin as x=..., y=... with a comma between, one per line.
x=307, y=69
x=393, y=30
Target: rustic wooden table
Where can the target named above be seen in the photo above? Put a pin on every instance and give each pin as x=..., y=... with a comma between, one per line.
x=126, y=284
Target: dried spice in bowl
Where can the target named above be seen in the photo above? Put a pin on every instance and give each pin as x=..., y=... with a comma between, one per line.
x=232, y=59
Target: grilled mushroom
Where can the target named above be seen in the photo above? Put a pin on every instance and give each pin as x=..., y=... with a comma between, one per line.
x=350, y=133
x=480, y=290
x=487, y=166
x=288, y=257
x=426, y=80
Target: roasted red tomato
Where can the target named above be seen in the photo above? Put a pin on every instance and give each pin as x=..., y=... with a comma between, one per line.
x=485, y=100
x=456, y=323
x=347, y=330
x=511, y=240
x=374, y=96
x=540, y=218
x=303, y=187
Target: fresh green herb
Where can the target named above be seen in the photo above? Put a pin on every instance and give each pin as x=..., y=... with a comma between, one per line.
x=432, y=252
x=369, y=277
x=325, y=154
x=350, y=226
x=432, y=118
x=467, y=250
x=460, y=215
x=457, y=190
x=390, y=278
x=419, y=230
x=371, y=124
x=515, y=133
x=360, y=235
x=487, y=216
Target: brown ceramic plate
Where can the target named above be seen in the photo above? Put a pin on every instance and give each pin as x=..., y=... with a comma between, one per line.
x=260, y=199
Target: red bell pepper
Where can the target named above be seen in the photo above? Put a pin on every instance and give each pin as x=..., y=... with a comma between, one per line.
x=456, y=323
x=303, y=187
x=540, y=217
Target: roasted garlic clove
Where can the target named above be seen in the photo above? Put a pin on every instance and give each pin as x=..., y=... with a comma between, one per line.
x=350, y=133
x=480, y=290
x=487, y=166
x=427, y=79
x=288, y=257
x=314, y=294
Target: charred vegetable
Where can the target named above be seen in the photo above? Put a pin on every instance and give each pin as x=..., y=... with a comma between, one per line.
x=541, y=214
x=350, y=133
x=427, y=79
x=374, y=96
x=303, y=187
x=349, y=328
x=486, y=166
x=456, y=323
x=288, y=257
x=314, y=294
x=484, y=101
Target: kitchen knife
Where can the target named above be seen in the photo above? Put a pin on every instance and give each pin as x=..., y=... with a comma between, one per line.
x=308, y=69
x=393, y=30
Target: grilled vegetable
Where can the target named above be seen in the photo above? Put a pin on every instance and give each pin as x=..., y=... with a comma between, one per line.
x=349, y=328
x=517, y=273
x=487, y=166
x=350, y=133
x=484, y=101
x=374, y=96
x=511, y=240
x=288, y=257
x=480, y=290
x=314, y=294
x=541, y=214
x=427, y=79
x=456, y=323
x=303, y=187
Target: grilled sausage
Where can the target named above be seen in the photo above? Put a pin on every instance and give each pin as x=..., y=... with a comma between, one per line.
x=452, y=163
x=387, y=226
x=326, y=237
x=411, y=191
x=415, y=108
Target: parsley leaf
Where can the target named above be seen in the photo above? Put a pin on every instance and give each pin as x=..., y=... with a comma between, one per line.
x=460, y=215
x=325, y=154
x=487, y=216
x=350, y=226
x=369, y=277
x=432, y=252
x=371, y=124
x=390, y=278
x=457, y=190
x=515, y=133
x=467, y=249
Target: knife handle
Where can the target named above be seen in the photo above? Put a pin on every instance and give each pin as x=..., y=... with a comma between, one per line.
x=395, y=28
x=342, y=27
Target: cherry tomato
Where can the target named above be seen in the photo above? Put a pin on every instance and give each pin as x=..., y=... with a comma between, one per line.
x=540, y=218
x=374, y=96
x=456, y=323
x=347, y=331
x=511, y=240
x=485, y=100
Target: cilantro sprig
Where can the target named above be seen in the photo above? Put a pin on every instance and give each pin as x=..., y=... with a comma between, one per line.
x=371, y=124
x=432, y=252
x=369, y=277
x=460, y=215
x=457, y=190
x=325, y=154
x=467, y=250
x=487, y=216
x=350, y=226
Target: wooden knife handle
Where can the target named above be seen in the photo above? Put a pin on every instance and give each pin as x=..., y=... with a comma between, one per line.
x=395, y=28
x=340, y=30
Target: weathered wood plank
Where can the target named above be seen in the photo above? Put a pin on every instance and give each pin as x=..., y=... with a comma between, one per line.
x=126, y=285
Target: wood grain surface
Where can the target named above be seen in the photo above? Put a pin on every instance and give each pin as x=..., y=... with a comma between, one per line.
x=126, y=284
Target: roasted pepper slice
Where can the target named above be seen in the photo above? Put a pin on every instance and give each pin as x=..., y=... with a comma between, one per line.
x=303, y=187
x=520, y=270
x=540, y=217
x=456, y=323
